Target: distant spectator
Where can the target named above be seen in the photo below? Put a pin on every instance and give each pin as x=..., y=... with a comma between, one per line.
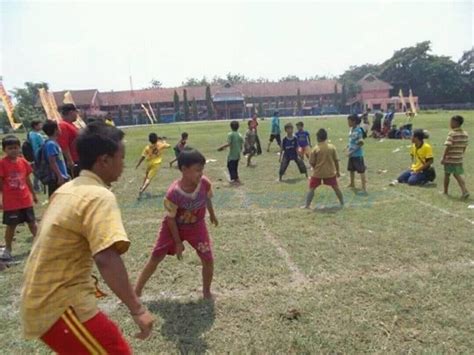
x=68, y=133
x=275, y=131
x=55, y=158
x=37, y=140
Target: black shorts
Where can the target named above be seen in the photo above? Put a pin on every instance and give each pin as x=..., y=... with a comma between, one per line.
x=275, y=136
x=356, y=164
x=13, y=218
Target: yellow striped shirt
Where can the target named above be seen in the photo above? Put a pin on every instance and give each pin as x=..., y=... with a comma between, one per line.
x=82, y=219
x=456, y=144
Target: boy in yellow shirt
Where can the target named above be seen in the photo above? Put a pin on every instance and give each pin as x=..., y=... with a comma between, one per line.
x=82, y=226
x=153, y=155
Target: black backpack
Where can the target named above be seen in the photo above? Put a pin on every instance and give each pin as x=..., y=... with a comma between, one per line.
x=27, y=149
x=364, y=133
x=42, y=170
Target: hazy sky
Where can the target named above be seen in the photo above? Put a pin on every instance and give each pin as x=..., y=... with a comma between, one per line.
x=80, y=45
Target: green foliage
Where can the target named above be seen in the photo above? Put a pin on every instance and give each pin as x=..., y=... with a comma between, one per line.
x=289, y=78
x=195, y=109
x=231, y=79
x=210, y=106
x=26, y=100
x=155, y=84
x=185, y=105
x=195, y=82
x=176, y=102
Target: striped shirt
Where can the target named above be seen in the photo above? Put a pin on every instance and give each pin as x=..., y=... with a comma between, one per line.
x=456, y=144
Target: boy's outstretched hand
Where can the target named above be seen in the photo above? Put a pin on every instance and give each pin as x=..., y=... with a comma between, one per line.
x=220, y=149
x=179, y=250
x=214, y=220
x=145, y=322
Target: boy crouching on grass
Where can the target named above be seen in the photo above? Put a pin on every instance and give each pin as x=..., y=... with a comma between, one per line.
x=185, y=202
x=325, y=163
x=17, y=192
x=82, y=225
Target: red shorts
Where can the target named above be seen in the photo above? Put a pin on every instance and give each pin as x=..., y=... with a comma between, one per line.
x=98, y=335
x=314, y=182
x=196, y=235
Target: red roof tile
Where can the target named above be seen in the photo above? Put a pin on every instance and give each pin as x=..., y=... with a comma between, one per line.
x=371, y=83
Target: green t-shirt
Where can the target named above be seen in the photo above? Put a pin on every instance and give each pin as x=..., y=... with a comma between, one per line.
x=234, y=139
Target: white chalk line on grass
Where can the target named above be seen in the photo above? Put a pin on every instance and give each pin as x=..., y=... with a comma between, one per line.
x=434, y=207
x=313, y=283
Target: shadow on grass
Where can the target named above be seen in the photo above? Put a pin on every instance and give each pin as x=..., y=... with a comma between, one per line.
x=292, y=181
x=328, y=209
x=184, y=323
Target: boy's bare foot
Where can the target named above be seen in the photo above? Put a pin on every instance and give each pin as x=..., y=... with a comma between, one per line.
x=350, y=186
x=465, y=195
x=304, y=207
x=208, y=296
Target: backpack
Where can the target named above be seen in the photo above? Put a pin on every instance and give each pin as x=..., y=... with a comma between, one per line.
x=42, y=169
x=364, y=133
x=27, y=149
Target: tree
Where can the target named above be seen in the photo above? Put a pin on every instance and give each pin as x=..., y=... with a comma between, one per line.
x=195, y=82
x=176, y=102
x=230, y=78
x=195, y=109
x=209, y=104
x=27, y=98
x=435, y=79
x=289, y=78
x=155, y=84
x=299, y=102
x=466, y=68
x=185, y=105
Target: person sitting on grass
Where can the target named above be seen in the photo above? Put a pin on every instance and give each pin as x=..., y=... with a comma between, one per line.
x=325, y=163
x=234, y=143
x=456, y=145
x=185, y=203
x=82, y=226
x=421, y=153
x=179, y=147
x=355, y=152
x=289, y=152
x=250, y=142
x=152, y=153
x=17, y=192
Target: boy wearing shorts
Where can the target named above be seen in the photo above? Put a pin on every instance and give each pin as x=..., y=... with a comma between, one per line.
x=17, y=192
x=289, y=152
x=456, y=145
x=82, y=226
x=275, y=131
x=304, y=141
x=355, y=152
x=185, y=203
x=325, y=163
x=179, y=147
x=152, y=153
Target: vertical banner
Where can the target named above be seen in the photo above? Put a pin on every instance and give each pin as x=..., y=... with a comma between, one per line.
x=46, y=103
x=152, y=112
x=412, y=102
x=7, y=103
x=54, y=107
x=402, y=100
x=69, y=100
x=147, y=113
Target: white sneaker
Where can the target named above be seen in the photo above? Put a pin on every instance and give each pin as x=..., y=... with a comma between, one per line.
x=394, y=183
x=6, y=255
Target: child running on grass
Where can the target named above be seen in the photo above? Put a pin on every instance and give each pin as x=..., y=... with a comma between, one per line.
x=289, y=152
x=186, y=202
x=250, y=148
x=179, y=147
x=325, y=163
x=304, y=141
x=152, y=153
x=17, y=192
x=355, y=152
x=456, y=145
x=82, y=226
x=234, y=143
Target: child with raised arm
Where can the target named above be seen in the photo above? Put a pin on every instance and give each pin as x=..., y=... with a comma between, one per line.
x=152, y=153
x=289, y=152
x=325, y=163
x=185, y=203
x=456, y=145
x=17, y=192
x=179, y=147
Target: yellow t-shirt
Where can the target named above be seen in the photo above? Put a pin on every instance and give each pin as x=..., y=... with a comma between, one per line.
x=153, y=152
x=82, y=219
x=323, y=158
x=420, y=155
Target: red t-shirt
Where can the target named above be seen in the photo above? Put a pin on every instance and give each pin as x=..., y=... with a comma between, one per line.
x=67, y=138
x=16, y=194
x=253, y=124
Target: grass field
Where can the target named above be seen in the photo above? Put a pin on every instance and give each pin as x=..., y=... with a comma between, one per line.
x=391, y=272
